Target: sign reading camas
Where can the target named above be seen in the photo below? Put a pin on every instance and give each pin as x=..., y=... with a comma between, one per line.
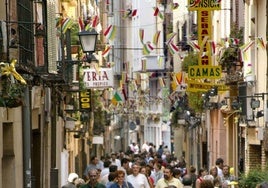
x=98, y=78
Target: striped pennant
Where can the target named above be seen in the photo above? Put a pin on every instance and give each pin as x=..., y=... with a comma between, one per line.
x=156, y=38
x=158, y=13
x=110, y=32
x=147, y=48
x=173, y=48
x=260, y=42
x=66, y=24
x=106, y=51
x=141, y=35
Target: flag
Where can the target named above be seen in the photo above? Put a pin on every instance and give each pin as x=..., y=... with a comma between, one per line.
x=110, y=32
x=234, y=41
x=156, y=37
x=246, y=46
x=134, y=13
x=95, y=21
x=130, y=13
x=170, y=37
x=212, y=48
x=172, y=48
x=106, y=51
x=66, y=24
x=141, y=34
x=59, y=22
x=260, y=43
x=158, y=13
x=174, y=6
x=147, y=48
x=117, y=98
x=194, y=45
x=81, y=24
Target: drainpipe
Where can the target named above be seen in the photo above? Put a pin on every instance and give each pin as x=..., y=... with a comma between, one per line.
x=27, y=142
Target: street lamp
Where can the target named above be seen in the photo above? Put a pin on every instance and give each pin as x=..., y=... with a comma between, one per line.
x=88, y=40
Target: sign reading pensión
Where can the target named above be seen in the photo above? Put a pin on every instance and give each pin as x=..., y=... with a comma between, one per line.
x=204, y=5
x=98, y=78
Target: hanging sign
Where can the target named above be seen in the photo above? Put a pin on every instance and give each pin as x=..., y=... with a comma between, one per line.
x=84, y=99
x=209, y=72
x=204, y=5
x=98, y=78
x=205, y=68
x=195, y=86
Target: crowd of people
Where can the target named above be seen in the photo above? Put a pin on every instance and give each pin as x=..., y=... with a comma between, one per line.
x=149, y=168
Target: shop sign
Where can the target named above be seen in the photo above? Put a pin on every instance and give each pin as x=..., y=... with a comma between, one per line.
x=209, y=72
x=84, y=99
x=98, y=78
x=204, y=5
x=195, y=86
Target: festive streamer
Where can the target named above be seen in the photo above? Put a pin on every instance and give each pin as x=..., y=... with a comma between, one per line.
x=59, y=22
x=130, y=13
x=66, y=24
x=156, y=38
x=134, y=12
x=116, y=98
x=260, y=42
x=158, y=13
x=81, y=24
x=147, y=48
x=110, y=32
x=170, y=37
x=9, y=69
x=234, y=41
x=95, y=21
x=106, y=51
x=141, y=34
x=195, y=46
x=172, y=48
x=212, y=48
x=246, y=46
x=174, y=6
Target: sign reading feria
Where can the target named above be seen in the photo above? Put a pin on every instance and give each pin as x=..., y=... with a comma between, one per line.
x=205, y=68
x=98, y=78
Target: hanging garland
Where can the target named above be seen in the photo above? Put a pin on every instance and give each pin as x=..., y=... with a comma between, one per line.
x=11, y=85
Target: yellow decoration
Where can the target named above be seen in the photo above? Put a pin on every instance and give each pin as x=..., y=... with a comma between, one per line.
x=232, y=171
x=9, y=69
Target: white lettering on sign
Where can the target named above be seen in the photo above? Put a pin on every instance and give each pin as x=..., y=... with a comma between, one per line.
x=101, y=79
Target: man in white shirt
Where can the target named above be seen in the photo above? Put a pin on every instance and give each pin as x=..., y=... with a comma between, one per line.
x=137, y=179
x=219, y=165
x=115, y=161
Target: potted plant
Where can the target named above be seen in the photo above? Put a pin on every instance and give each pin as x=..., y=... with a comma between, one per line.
x=11, y=93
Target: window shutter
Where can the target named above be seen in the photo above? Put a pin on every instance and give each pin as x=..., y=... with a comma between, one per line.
x=51, y=37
